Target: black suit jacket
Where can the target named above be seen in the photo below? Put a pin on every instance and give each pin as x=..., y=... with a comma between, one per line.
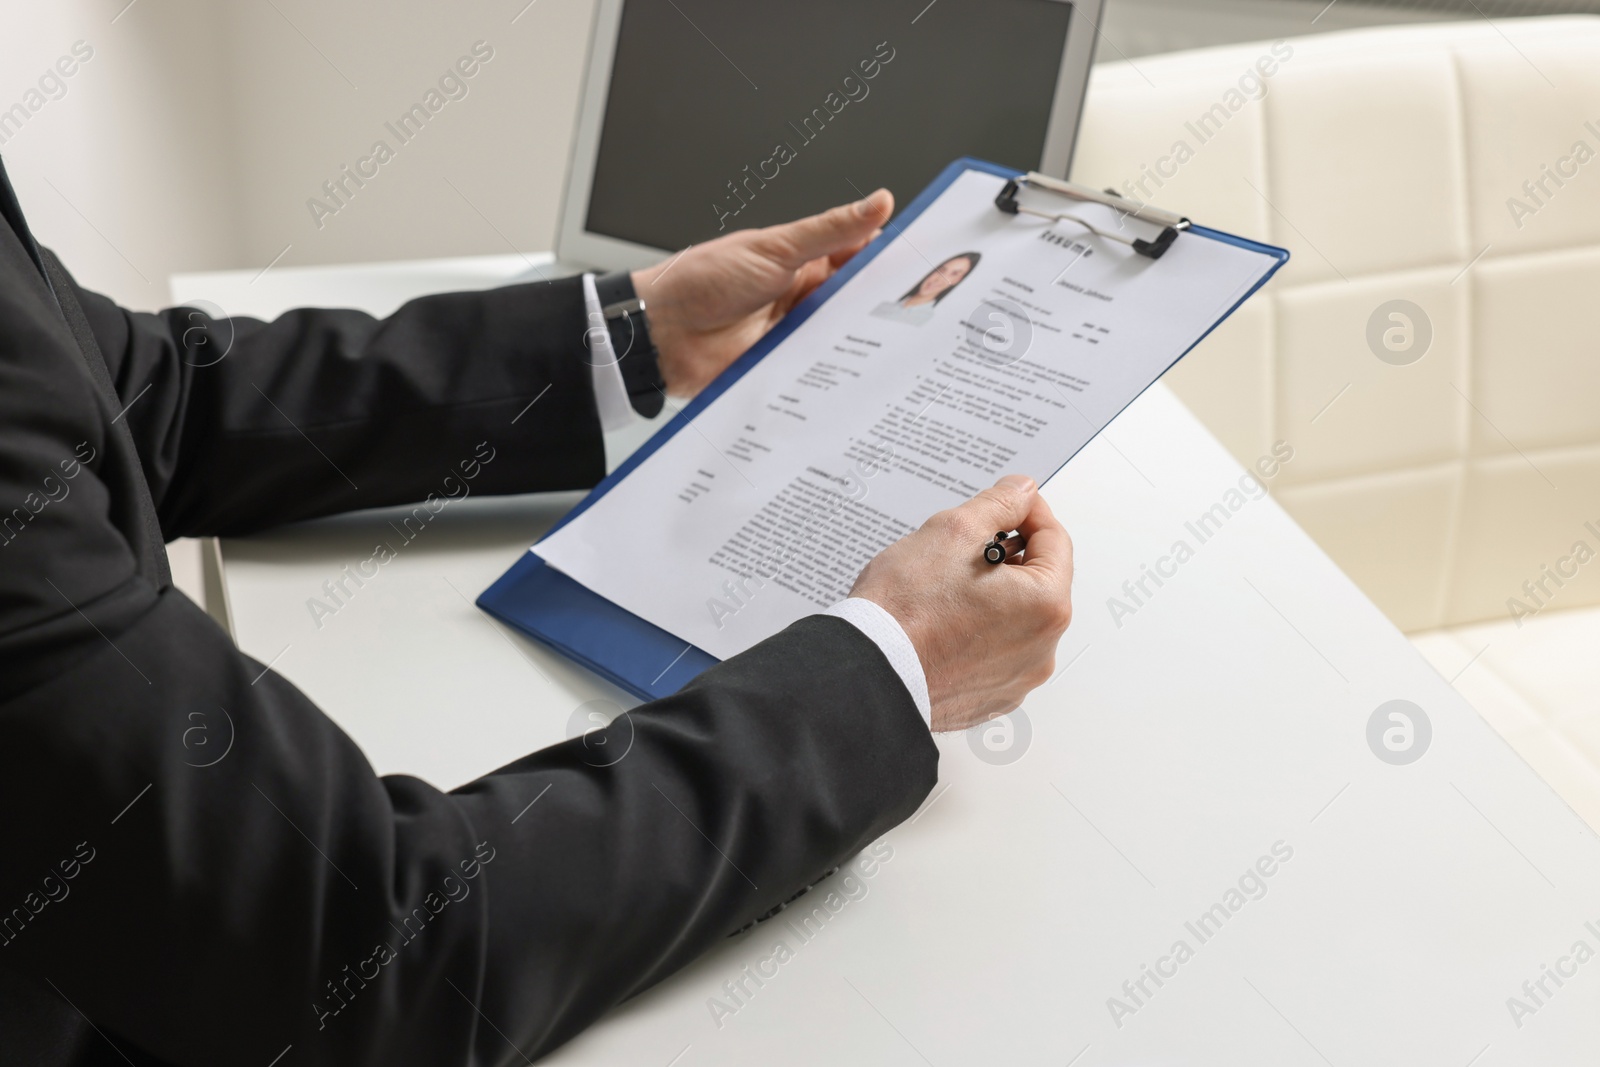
x=156, y=911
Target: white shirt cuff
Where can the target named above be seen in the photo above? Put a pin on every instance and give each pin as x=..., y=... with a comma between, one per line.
x=610, y=394
x=885, y=631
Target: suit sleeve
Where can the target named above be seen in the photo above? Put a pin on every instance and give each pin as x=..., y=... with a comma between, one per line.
x=206, y=868
x=243, y=424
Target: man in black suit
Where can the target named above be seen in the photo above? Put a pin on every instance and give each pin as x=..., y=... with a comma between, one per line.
x=287, y=902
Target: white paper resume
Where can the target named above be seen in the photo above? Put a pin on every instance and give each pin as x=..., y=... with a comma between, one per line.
x=976, y=344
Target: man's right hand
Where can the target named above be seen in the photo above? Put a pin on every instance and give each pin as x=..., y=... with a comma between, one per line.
x=986, y=634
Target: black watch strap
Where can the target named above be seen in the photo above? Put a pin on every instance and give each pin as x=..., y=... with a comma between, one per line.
x=625, y=320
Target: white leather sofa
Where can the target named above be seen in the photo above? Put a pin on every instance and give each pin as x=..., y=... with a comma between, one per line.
x=1448, y=458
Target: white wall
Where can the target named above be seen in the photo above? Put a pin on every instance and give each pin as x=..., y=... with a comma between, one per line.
x=194, y=136
x=503, y=147
x=129, y=174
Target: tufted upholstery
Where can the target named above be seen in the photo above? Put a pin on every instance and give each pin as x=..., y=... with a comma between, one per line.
x=1385, y=160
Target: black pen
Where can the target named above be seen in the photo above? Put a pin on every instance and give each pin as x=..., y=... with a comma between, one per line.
x=1004, y=546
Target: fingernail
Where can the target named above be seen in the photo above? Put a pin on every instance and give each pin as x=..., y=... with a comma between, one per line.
x=865, y=206
x=1019, y=481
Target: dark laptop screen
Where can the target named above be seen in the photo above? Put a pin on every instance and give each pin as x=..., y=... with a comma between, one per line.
x=724, y=114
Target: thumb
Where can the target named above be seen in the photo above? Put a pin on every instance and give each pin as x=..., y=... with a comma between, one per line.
x=834, y=230
x=1004, y=505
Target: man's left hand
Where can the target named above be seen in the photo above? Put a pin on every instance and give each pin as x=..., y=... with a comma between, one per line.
x=711, y=302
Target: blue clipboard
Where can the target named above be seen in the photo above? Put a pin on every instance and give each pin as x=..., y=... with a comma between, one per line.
x=639, y=656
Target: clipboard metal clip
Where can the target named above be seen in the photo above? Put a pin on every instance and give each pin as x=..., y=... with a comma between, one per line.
x=1171, y=225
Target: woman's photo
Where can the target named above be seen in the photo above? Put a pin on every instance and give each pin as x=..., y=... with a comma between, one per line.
x=916, y=306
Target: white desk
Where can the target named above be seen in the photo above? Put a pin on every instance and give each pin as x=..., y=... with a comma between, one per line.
x=1229, y=713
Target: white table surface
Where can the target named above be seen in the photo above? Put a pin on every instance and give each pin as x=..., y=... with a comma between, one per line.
x=1230, y=713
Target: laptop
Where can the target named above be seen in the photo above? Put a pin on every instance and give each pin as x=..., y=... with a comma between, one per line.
x=700, y=117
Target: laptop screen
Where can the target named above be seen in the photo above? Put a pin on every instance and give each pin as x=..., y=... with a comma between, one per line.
x=723, y=115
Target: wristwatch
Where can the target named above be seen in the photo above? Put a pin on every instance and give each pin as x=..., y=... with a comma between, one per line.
x=637, y=358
